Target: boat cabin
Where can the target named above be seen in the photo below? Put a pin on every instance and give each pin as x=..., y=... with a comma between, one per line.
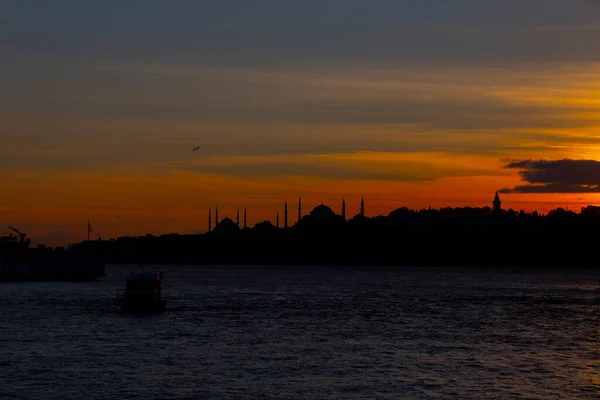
x=143, y=293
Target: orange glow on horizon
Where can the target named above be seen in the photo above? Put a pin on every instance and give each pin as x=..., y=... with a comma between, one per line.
x=178, y=202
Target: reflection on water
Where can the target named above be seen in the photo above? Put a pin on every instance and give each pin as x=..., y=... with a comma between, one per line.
x=308, y=333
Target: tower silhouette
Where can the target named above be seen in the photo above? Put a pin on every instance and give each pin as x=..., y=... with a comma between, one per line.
x=216, y=215
x=299, y=209
x=362, y=207
x=285, y=215
x=344, y=209
x=497, y=203
x=237, y=217
x=277, y=221
x=245, y=218
x=209, y=220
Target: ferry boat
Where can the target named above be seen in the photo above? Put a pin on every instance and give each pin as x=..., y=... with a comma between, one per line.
x=142, y=294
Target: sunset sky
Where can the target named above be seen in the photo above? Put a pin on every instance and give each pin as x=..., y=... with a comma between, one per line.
x=411, y=103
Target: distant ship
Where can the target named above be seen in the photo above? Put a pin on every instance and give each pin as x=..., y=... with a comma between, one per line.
x=142, y=295
x=21, y=263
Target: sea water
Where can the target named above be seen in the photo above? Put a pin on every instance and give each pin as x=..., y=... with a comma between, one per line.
x=308, y=333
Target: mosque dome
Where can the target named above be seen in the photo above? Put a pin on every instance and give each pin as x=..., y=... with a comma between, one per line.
x=322, y=211
x=226, y=225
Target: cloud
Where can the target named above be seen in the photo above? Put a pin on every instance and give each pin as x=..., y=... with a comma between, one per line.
x=576, y=28
x=139, y=112
x=280, y=169
x=380, y=166
x=147, y=114
x=557, y=176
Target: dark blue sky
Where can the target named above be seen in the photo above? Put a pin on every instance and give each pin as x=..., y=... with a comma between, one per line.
x=275, y=32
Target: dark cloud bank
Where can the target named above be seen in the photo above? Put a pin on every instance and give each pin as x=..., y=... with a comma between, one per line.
x=557, y=176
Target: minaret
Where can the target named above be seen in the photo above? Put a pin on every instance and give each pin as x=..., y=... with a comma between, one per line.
x=277, y=221
x=237, y=217
x=216, y=215
x=285, y=215
x=245, y=218
x=497, y=203
x=209, y=220
x=299, y=209
x=362, y=207
x=344, y=209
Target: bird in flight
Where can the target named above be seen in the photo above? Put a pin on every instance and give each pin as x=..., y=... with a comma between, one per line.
x=196, y=148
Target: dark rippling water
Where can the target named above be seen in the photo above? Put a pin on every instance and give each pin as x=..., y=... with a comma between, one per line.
x=309, y=333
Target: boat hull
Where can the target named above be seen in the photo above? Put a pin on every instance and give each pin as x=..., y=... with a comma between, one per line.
x=128, y=307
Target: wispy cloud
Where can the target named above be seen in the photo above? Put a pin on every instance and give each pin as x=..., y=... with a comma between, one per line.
x=571, y=28
x=401, y=167
x=147, y=116
x=514, y=97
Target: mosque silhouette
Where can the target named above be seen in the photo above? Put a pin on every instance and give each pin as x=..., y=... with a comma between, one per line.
x=320, y=213
x=460, y=236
